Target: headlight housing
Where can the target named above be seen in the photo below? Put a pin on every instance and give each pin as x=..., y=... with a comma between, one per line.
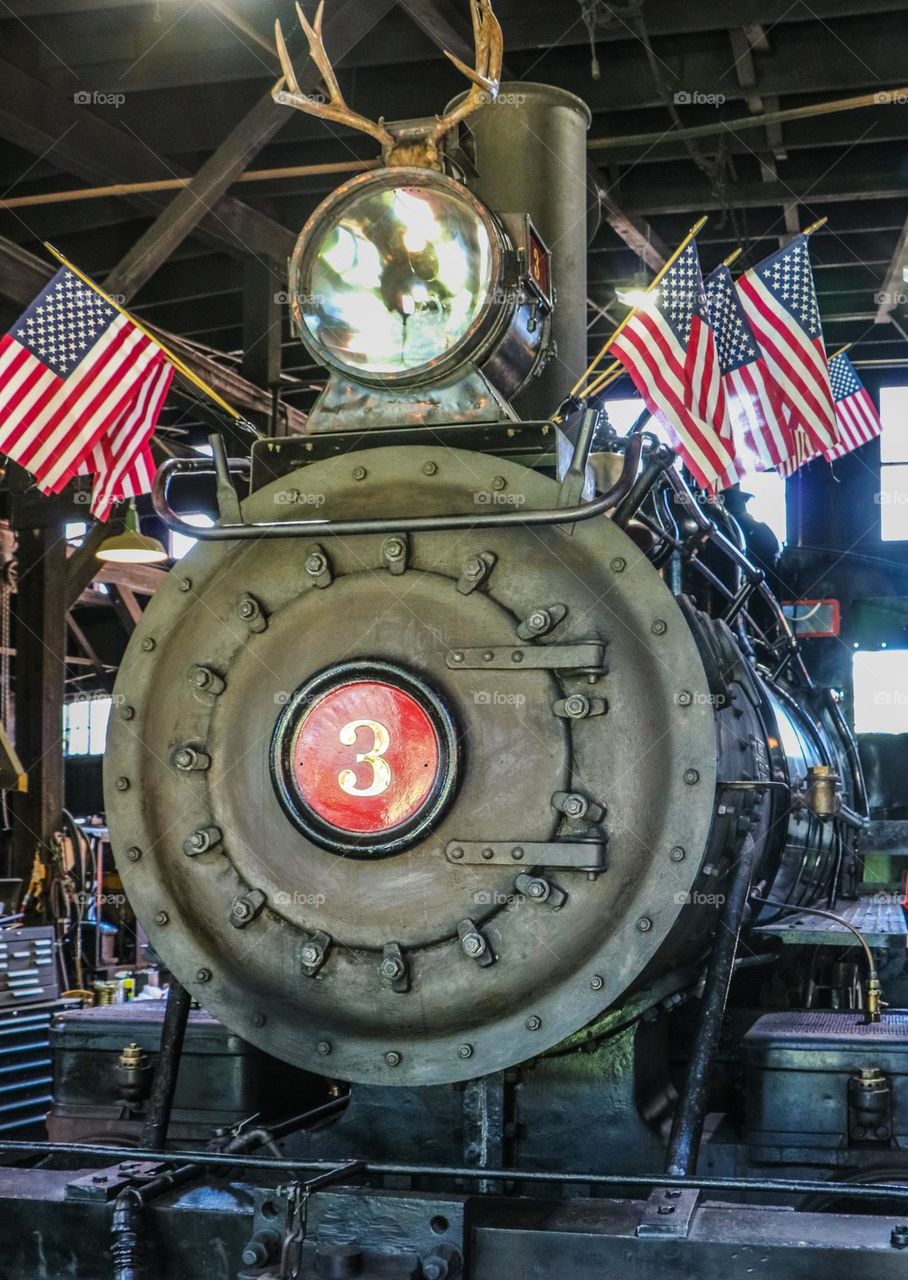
x=401, y=276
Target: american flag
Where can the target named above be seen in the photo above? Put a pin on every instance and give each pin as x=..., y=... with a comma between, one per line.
x=80, y=391
x=780, y=301
x=856, y=413
x=756, y=410
x=669, y=351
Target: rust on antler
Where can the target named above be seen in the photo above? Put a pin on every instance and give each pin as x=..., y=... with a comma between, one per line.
x=485, y=78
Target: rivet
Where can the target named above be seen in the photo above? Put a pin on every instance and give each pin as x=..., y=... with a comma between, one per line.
x=465, y=1051
x=203, y=975
x=429, y=468
x=392, y=1057
x=148, y=644
x=133, y=854
x=677, y=854
x=644, y=924
x=659, y=627
x=685, y=698
x=499, y=483
x=324, y=1046
x=359, y=473
x=618, y=564
x=488, y=656
x=127, y=713
x=457, y=853
x=691, y=776
x=457, y=657
x=517, y=852
x=162, y=917
x=122, y=784
x=597, y=982
x=534, y=1022
x=517, y=655
x=185, y=584
x=487, y=854
x=259, y=1019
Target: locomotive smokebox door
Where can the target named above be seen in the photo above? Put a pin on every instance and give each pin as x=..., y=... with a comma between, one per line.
x=410, y=803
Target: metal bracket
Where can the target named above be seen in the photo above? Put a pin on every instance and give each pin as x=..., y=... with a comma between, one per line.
x=669, y=1212
x=313, y=952
x=105, y=1185
x=578, y=808
x=576, y=855
x=206, y=684
x=246, y=907
x=395, y=553
x=541, y=621
x=475, y=572
x=474, y=943
x=579, y=706
x=588, y=656
x=539, y=891
x=251, y=612
x=394, y=970
x=318, y=566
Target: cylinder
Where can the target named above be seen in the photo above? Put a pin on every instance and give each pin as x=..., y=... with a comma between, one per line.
x=531, y=156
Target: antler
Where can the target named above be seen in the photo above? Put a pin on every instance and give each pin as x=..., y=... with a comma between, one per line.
x=485, y=77
x=335, y=108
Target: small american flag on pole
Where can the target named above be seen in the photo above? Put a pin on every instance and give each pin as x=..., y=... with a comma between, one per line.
x=756, y=410
x=780, y=301
x=669, y=350
x=855, y=411
x=81, y=388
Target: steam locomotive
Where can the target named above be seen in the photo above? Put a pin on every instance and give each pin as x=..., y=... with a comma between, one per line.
x=470, y=762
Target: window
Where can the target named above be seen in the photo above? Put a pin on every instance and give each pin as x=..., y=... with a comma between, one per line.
x=75, y=532
x=893, y=495
x=85, y=726
x=179, y=543
x=880, y=678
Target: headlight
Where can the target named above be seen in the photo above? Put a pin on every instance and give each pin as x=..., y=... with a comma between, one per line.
x=403, y=275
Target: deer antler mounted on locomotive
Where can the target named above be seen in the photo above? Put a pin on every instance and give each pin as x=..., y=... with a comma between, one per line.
x=514, y=736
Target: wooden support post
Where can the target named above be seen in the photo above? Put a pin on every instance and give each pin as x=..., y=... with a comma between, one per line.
x=40, y=669
x=263, y=295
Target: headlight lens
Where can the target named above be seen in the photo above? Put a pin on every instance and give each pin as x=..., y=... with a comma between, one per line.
x=398, y=279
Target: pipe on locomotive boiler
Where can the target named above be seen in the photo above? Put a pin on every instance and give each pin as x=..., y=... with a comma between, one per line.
x=530, y=149
x=687, y=1127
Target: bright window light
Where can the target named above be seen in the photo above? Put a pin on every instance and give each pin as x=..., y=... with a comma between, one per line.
x=85, y=726
x=75, y=531
x=768, y=501
x=179, y=543
x=880, y=690
x=893, y=495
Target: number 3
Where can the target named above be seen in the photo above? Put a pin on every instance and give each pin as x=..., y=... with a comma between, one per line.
x=381, y=770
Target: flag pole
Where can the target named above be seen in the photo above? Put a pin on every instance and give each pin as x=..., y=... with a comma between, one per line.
x=814, y=226
x=175, y=360
x=694, y=231
x=841, y=351
x=732, y=257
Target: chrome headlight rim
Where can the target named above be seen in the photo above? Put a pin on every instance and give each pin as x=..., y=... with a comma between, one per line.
x=486, y=328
